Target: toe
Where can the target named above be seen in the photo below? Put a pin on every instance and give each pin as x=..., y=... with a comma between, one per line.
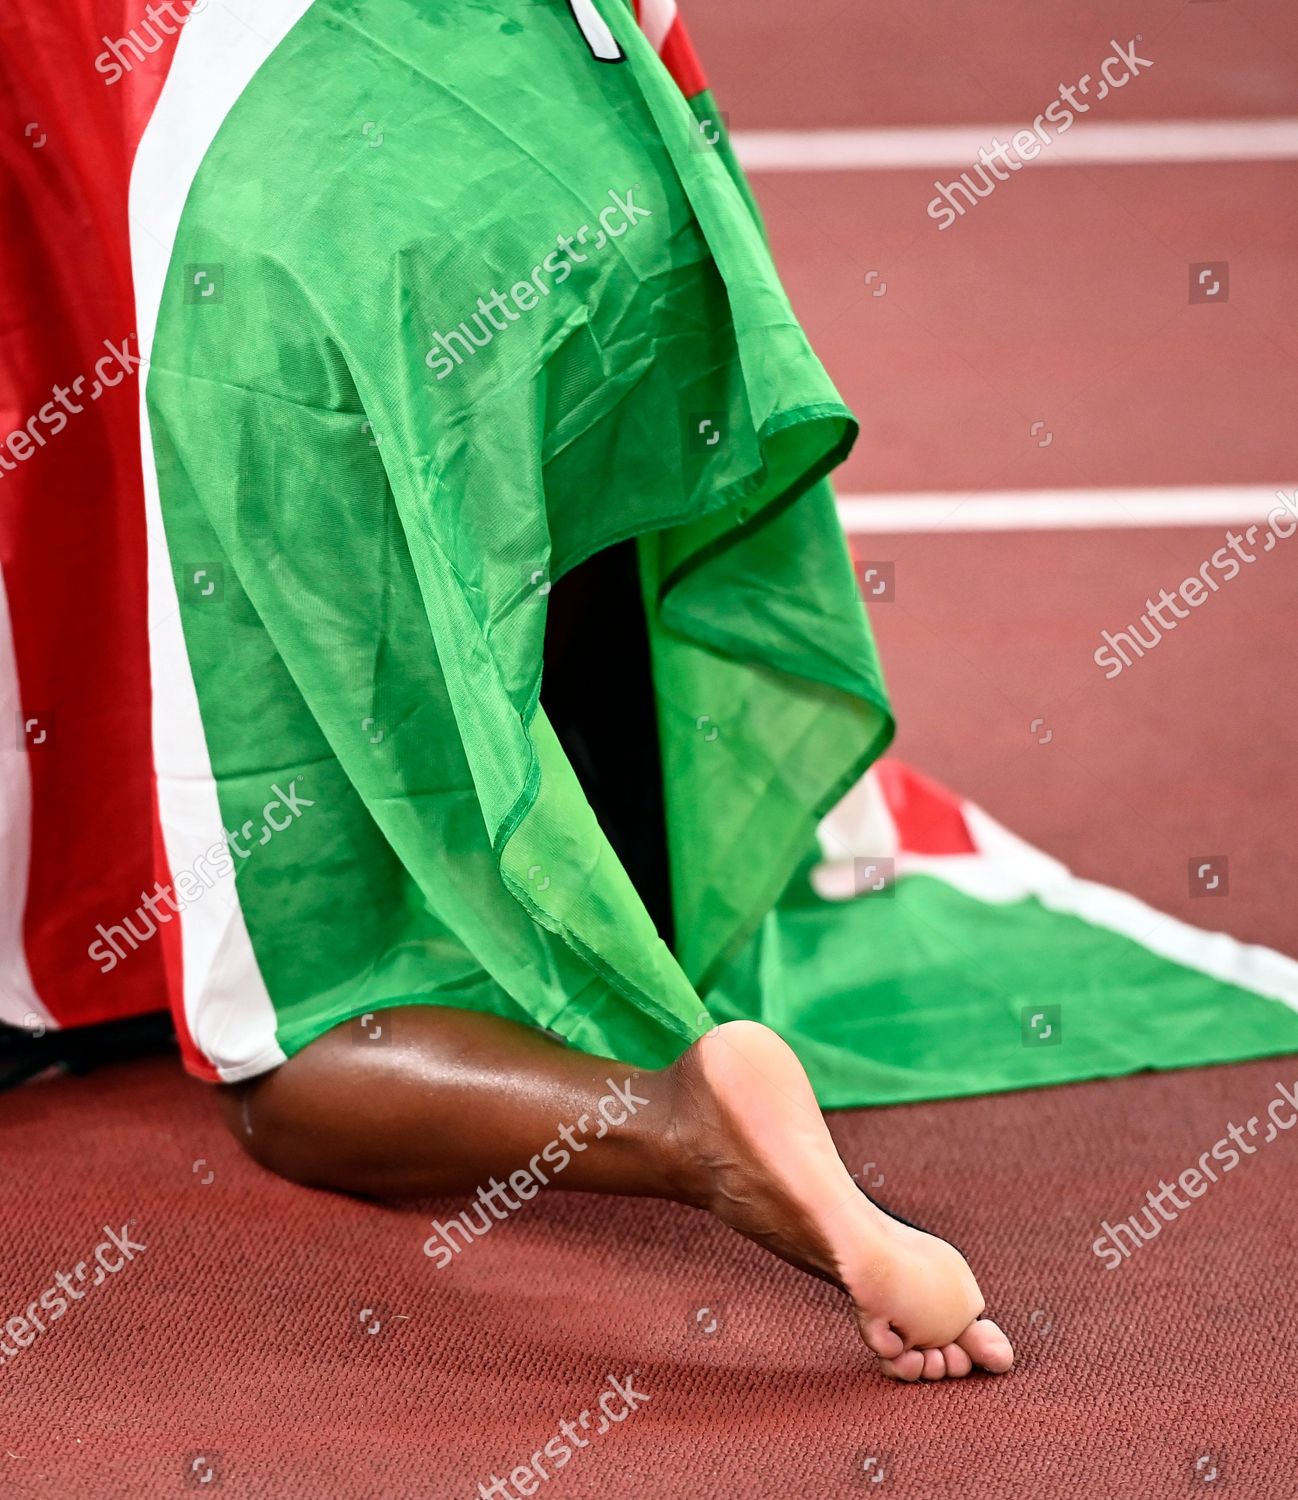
x=958, y=1362
x=987, y=1346
x=908, y=1366
x=934, y=1364
x=881, y=1338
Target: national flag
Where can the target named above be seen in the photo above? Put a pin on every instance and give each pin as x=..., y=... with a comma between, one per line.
x=434, y=305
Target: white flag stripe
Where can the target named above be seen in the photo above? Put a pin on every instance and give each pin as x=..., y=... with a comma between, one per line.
x=227, y=1008
x=1020, y=870
x=1006, y=869
x=657, y=17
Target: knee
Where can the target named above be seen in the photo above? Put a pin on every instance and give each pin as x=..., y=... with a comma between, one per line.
x=270, y=1130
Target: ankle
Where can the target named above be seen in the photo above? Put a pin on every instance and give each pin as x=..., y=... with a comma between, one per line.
x=682, y=1164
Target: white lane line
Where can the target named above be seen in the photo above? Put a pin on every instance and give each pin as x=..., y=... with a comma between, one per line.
x=943, y=146
x=1080, y=509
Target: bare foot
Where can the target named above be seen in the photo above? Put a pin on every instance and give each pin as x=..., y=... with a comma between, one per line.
x=764, y=1162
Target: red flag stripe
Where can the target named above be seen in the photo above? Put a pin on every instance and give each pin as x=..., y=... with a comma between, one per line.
x=71, y=518
x=666, y=32
x=928, y=818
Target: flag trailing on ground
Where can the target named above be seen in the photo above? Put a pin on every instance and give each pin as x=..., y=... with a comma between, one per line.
x=929, y=952
x=436, y=305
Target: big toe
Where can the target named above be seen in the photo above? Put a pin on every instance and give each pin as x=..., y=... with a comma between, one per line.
x=987, y=1346
x=880, y=1337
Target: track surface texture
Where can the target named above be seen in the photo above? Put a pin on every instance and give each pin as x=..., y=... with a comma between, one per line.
x=236, y=1335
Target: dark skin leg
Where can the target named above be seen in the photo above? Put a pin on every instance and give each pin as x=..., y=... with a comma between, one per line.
x=392, y=1108
x=457, y=1098
x=451, y=1100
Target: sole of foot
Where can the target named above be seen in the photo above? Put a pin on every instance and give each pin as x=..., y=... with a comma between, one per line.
x=768, y=1167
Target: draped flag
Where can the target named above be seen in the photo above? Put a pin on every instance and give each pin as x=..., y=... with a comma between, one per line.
x=336, y=332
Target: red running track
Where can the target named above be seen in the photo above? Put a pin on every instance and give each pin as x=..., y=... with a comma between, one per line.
x=235, y=1335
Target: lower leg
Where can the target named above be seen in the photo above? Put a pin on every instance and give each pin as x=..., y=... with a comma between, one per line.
x=456, y=1099
x=451, y=1099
